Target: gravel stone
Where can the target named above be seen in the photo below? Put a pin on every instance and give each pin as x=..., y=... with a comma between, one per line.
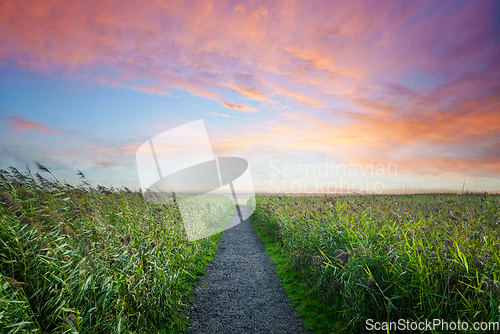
x=240, y=292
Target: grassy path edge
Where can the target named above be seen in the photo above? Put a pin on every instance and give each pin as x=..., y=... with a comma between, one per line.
x=317, y=316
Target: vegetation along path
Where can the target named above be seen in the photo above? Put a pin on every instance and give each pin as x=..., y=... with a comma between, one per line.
x=241, y=292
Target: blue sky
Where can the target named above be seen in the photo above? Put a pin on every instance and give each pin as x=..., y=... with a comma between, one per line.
x=408, y=84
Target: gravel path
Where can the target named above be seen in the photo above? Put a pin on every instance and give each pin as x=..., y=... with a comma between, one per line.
x=241, y=292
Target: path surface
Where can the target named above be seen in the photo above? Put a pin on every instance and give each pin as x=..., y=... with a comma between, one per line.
x=241, y=292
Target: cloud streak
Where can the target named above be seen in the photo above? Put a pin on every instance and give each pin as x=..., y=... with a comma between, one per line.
x=19, y=123
x=238, y=106
x=222, y=115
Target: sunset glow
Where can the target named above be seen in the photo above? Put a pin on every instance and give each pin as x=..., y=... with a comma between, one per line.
x=280, y=83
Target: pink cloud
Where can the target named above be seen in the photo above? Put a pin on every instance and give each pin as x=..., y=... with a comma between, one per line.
x=238, y=106
x=317, y=47
x=19, y=123
x=222, y=115
x=151, y=89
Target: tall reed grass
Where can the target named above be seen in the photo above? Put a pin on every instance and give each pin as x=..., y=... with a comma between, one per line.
x=92, y=259
x=386, y=258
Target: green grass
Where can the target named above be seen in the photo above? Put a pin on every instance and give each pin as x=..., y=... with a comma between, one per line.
x=347, y=259
x=92, y=260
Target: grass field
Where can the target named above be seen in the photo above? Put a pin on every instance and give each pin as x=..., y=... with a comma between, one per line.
x=92, y=260
x=96, y=260
x=346, y=259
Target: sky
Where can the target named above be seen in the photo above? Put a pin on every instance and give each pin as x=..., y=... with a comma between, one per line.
x=317, y=96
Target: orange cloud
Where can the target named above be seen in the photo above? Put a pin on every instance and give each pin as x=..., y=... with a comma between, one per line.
x=464, y=141
x=297, y=96
x=152, y=90
x=115, y=151
x=19, y=123
x=248, y=92
x=238, y=106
